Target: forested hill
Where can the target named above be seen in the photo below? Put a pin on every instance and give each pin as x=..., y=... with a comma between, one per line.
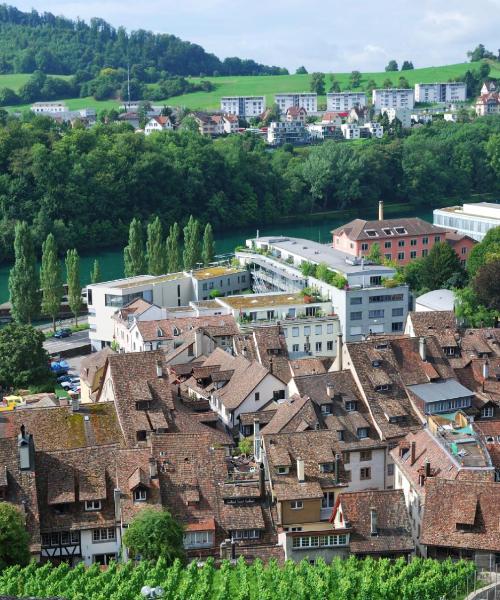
x=56, y=45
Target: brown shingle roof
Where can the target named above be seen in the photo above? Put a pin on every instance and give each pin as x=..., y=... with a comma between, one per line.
x=91, y=364
x=355, y=230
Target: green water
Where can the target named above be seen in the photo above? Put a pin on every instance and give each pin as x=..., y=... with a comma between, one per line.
x=111, y=261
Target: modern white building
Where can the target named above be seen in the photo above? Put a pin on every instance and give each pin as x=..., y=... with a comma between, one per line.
x=306, y=100
x=402, y=114
x=474, y=220
x=344, y=101
x=455, y=91
x=392, y=98
x=49, y=107
x=243, y=106
x=372, y=129
x=436, y=300
x=362, y=302
x=350, y=131
x=287, y=132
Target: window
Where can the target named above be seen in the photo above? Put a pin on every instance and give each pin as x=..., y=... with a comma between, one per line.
x=103, y=535
x=401, y=255
x=425, y=252
x=329, y=345
x=296, y=504
x=278, y=394
x=326, y=409
x=364, y=246
x=413, y=254
x=386, y=298
x=198, y=539
x=388, y=256
x=487, y=411
x=327, y=467
x=401, y=244
x=376, y=280
x=413, y=242
x=295, y=348
x=205, y=286
x=388, y=245
x=140, y=435
x=307, y=330
x=314, y=541
x=365, y=473
x=307, y=347
x=246, y=534
x=283, y=470
x=257, y=396
x=329, y=328
x=295, y=332
x=319, y=346
x=351, y=405
x=376, y=314
x=328, y=500
x=437, y=238
x=365, y=455
x=464, y=250
x=356, y=316
x=390, y=471
x=355, y=300
x=92, y=505
x=318, y=329
x=363, y=432
x=140, y=495
x=398, y=326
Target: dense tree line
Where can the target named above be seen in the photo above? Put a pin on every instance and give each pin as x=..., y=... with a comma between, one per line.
x=59, y=46
x=85, y=185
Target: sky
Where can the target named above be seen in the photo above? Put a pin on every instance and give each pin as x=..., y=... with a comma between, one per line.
x=328, y=35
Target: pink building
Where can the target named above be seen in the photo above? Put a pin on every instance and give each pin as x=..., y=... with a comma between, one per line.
x=400, y=240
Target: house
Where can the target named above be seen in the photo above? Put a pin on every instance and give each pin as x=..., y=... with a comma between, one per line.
x=91, y=374
x=392, y=98
x=461, y=521
x=243, y=106
x=359, y=114
x=230, y=123
x=350, y=131
x=208, y=124
x=288, y=131
x=488, y=104
x=442, y=324
x=344, y=101
x=332, y=118
x=324, y=131
x=234, y=385
x=306, y=100
x=455, y=91
x=489, y=86
x=296, y=114
x=375, y=523
x=473, y=220
x=400, y=240
x=160, y=123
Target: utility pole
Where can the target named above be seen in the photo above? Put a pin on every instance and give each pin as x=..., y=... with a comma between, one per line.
x=128, y=84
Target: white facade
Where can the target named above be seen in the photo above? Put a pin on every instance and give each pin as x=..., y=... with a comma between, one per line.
x=451, y=117
x=350, y=131
x=374, y=129
x=306, y=100
x=49, y=107
x=392, y=98
x=344, y=101
x=94, y=551
x=157, y=124
x=474, y=220
x=402, y=114
x=243, y=106
x=440, y=92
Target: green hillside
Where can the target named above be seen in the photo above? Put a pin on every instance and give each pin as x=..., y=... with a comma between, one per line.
x=268, y=85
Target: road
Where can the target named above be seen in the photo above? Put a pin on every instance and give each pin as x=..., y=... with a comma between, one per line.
x=79, y=338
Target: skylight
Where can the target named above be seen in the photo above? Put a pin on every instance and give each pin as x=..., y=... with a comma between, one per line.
x=388, y=231
x=371, y=233
x=400, y=230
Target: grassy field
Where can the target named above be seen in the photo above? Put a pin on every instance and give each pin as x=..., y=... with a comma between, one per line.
x=267, y=85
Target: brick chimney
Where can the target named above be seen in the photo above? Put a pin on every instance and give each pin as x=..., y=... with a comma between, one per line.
x=413, y=453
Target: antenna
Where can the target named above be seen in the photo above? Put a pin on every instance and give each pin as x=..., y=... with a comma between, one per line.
x=128, y=84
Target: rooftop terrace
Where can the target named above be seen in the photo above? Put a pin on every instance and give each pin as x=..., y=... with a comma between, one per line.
x=256, y=301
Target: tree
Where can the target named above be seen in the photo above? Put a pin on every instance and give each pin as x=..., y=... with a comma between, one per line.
x=441, y=264
x=23, y=359
x=134, y=253
x=301, y=71
x=156, y=251
x=486, y=285
x=392, y=65
x=387, y=83
x=155, y=534
x=323, y=272
x=334, y=84
x=245, y=446
x=375, y=255
x=355, y=79
x=74, y=283
x=173, y=247
x=407, y=65
x=192, y=244
x=468, y=309
x=95, y=274
x=208, y=250
x=317, y=83
x=23, y=278
x=371, y=85
x=480, y=254
x=308, y=269
x=403, y=83
x=51, y=280
x=14, y=539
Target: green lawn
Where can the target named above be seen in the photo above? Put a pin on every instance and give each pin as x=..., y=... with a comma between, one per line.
x=15, y=80
x=265, y=85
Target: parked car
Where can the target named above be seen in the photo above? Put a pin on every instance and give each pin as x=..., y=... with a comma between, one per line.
x=63, y=333
x=63, y=378
x=74, y=380
x=66, y=385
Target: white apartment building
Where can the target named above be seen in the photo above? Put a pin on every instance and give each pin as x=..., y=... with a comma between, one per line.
x=49, y=107
x=350, y=131
x=474, y=220
x=392, y=98
x=402, y=114
x=344, y=101
x=306, y=100
x=243, y=106
x=441, y=92
x=363, y=305
x=373, y=128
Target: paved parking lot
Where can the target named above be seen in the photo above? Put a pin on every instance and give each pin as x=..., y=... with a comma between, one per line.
x=54, y=346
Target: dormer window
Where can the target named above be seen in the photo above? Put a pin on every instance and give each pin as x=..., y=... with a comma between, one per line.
x=362, y=432
x=375, y=363
x=159, y=332
x=328, y=467
x=142, y=405
x=140, y=494
x=326, y=409
x=340, y=435
x=371, y=233
x=382, y=388
x=176, y=331
x=351, y=405
x=283, y=470
x=388, y=231
x=141, y=435
x=93, y=505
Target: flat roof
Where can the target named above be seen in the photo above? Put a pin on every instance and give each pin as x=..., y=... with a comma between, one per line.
x=437, y=300
x=129, y=282
x=321, y=253
x=218, y=271
x=262, y=300
x=440, y=390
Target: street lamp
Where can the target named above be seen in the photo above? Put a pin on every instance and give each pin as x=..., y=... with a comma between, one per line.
x=151, y=593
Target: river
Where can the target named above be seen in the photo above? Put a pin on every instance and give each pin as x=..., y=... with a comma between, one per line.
x=111, y=261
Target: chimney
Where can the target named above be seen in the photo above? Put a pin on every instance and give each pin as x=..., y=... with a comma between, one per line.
x=340, y=347
x=198, y=343
x=486, y=370
x=159, y=369
x=413, y=452
x=26, y=449
x=330, y=390
x=118, y=507
x=373, y=521
x=256, y=439
x=153, y=468
x=381, y=210
x=262, y=481
x=271, y=366
x=337, y=467
x=422, y=348
x=300, y=470
x=427, y=468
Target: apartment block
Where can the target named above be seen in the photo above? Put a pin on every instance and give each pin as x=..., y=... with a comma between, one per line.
x=474, y=220
x=344, y=101
x=440, y=92
x=243, y=106
x=306, y=100
x=392, y=98
x=402, y=114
